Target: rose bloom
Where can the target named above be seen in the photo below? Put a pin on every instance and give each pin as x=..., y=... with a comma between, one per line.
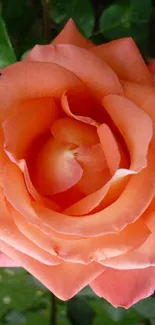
x=77, y=168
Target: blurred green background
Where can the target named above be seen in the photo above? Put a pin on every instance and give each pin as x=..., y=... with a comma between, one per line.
x=23, y=23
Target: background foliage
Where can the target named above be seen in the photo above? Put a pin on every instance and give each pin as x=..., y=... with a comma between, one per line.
x=23, y=23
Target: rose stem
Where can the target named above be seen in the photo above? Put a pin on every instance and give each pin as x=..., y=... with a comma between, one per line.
x=46, y=20
x=53, y=317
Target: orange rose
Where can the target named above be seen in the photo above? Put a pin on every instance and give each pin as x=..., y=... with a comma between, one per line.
x=78, y=168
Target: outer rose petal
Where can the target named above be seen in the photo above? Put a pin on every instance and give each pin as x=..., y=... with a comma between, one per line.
x=125, y=59
x=131, y=122
x=64, y=281
x=100, y=78
x=71, y=35
x=144, y=97
x=29, y=80
x=6, y=261
x=10, y=234
x=141, y=257
x=85, y=250
x=151, y=67
x=125, y=288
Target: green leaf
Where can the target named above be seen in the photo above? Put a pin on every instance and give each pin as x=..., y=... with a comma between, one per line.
x=37, y=318
x=113, y=316
x=80, y=10
x=128, y=18
x=79, y=311
x=87, y=292
x=146, y=307
x=13, y=8
x=116, y=314
x=7, y=55
x=17, y=292
x=13, y=317
x=83, y=15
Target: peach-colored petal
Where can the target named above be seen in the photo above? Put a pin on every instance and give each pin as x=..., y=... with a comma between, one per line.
x=125, y=288
x=126, y=209
x=64, y=281
x=3, y=156
x=110, y=147
x=71, y=35
x=124, y=58
x=56, y=170
x=14, y=188
x=151, y=67
x=6, y=261
x=67, y=130
x=29, y=120
x=10, y=234
x=67, y=110
x=92, y=201
x=131, y=122
x=94, y=166
x=33, y=191
x=144, y=97
x=141, y=257
x=100, y=78
x=88, y=249
x=29, y=80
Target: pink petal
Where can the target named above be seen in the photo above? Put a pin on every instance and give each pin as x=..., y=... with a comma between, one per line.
x=124, y=288
x=6, y=261
x=64, y=281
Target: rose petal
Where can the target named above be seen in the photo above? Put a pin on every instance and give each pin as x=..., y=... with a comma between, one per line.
x=94, y=166
x=88, y=249
x=11, y=235
x=59, y=280
x=124, y=58
x=125, y=288
x=3, y=156
x=151, y=67
x=141, y=257
x=126, y=209
x=67, y=130
x=29, y=80
x=71, y=35
x=131, y=122
x=93, y=200
x=56, y=170
x=6, y=261
x=17, y=140
x=33, y=191
x=67, y=110
x=110, y=147
x=144, y=97
x=100, y=78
